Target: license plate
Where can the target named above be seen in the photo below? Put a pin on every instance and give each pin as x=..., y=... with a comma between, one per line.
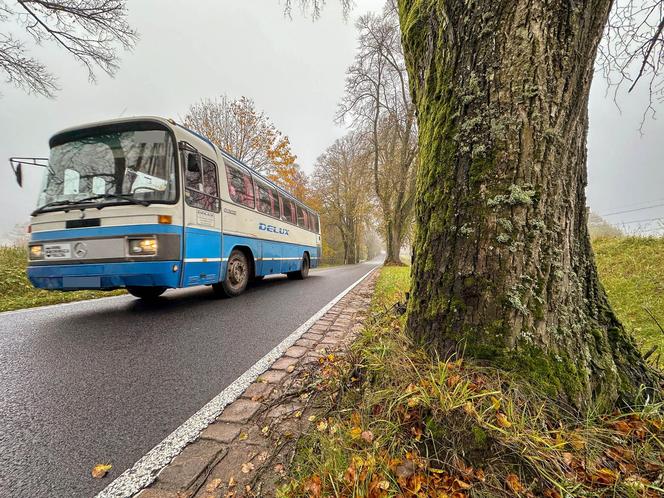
x=81, y=282
x=57, y=251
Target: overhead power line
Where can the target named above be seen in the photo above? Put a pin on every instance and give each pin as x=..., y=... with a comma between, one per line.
x=641, y=221
x=638, y=204
x=632, y=210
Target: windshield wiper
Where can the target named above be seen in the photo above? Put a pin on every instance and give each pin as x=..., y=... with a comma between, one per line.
x=43, y=208
x=124, y=197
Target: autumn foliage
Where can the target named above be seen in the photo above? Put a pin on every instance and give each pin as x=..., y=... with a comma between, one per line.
x=237, y=127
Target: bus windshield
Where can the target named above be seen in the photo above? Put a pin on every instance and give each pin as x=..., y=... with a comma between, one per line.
x=110, y=167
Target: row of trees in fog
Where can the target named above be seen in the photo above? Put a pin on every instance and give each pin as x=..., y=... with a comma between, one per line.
x=369, y=174
x=363, y=185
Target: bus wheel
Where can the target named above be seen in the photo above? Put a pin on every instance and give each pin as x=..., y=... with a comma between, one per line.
x=237, y=276
x=146, y=293
x=303, y=272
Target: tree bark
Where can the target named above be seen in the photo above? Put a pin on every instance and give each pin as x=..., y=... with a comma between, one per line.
x=393, y=242
x=503, y=269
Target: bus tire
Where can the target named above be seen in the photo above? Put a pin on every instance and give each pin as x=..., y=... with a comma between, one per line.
x=303, y=272
x=237, y=276
x=146, y=293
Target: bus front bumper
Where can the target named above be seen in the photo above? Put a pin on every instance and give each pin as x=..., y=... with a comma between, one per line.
x=105, y=276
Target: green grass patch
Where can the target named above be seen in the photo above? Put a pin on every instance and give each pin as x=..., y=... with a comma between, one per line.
x=16, y=292
x=632, y=271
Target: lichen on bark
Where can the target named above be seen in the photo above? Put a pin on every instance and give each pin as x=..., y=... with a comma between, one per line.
x=501, y=91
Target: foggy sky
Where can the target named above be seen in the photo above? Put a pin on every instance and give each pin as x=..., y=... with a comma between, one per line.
x=294, y=70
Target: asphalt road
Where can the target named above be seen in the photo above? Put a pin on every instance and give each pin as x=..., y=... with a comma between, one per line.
x=105, y=381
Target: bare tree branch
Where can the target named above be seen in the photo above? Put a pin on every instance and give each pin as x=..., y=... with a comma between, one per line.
x=314, y=7
x=90, y=30
x=632, y=50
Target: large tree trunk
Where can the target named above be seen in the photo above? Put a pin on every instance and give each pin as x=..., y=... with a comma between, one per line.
x=503, y=267
x=393, y=242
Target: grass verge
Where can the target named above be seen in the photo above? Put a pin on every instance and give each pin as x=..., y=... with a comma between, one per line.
x=396, y=423
x=16, y=292
x=632, y=271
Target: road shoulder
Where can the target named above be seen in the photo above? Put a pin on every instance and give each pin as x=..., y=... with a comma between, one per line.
x=249, y=446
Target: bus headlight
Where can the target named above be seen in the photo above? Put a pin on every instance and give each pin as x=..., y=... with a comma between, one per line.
x=142, y=247
x=36, y=252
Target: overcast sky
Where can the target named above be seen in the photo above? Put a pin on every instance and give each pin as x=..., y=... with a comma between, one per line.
x=294, y=70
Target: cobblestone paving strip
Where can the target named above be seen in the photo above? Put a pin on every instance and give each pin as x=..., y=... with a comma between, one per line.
x=250, y=444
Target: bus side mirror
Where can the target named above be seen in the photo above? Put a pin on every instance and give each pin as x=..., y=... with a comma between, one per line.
x=193, y=163
x=18, y=172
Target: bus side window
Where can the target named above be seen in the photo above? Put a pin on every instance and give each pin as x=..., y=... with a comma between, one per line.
x=210, y=185
x=202, y=187
x=193, y=177
x=240, y=187
x=310, y=217
x=287, y=214
x=276, y=210
x=264, y=199
x=301, y=219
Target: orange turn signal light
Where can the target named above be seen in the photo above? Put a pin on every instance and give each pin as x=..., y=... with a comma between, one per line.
x=165, y=219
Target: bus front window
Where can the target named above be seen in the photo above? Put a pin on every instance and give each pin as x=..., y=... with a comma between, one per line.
x=137, y=165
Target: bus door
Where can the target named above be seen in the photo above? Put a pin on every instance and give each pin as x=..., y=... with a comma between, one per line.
x=202, y=220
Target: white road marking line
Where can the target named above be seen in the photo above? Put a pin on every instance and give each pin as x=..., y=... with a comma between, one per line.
x=145, y=470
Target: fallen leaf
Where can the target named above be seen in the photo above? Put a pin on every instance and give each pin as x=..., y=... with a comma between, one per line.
x=297, y=414
x=265, y=430
x=100, y=470
x=311, y=418
x=501, y=418
x=495, y=402
x=231, y=482
x=212, y=485
x=243, y=436
x=622, y=427
x=279, y=468
x=453, y=380
x=313, y=486
x=356, y=419
x=461, y=484
x=247, y=467
x=367, y=436
x=605, y=476
x=322, y=426
x=514, y=483
x=355, y=433
x=290, y=369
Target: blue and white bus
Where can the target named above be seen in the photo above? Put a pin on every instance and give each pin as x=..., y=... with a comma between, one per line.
x=148, y=205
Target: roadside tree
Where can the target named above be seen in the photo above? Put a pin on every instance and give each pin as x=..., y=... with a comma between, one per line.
x=503, y=269
x=237, y=127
